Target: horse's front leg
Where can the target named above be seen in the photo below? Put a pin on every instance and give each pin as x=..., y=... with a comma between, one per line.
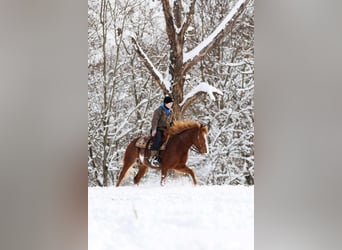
x=187, y=170
x=163, y=176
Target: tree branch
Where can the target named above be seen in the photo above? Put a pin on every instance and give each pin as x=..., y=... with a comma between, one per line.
x=215, y=37
x=188, y=18
x=149, y=65
x=190, y=100
x=199, y=90
x=170, y=28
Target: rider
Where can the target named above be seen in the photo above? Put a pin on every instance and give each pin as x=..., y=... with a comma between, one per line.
x=161, y=120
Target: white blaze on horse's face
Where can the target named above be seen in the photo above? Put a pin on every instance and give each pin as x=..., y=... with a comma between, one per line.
x=203, y=140
x=206, y=143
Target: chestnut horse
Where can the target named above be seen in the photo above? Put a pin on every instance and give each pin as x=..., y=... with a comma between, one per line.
x=182, y=135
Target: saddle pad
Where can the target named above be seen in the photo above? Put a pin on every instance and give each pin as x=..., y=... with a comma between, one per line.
x=143, y=140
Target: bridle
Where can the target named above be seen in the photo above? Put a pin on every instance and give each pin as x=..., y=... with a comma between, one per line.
x=195, y=148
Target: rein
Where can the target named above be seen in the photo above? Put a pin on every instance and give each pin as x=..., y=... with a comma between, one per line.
x=194, y=149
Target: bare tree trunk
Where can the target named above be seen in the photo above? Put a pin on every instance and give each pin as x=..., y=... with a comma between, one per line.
x=103, y=21
x=176, y=28
x=109, y=78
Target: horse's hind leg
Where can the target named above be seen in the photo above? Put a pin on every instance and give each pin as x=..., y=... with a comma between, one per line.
x=129, y=160
x=187, y=170
x=142, y=171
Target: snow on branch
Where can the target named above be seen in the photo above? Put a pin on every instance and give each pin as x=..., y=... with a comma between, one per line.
x=164, y=84
x=188, y=18
x=202, y=88
x=206, y=44
x=235, y=64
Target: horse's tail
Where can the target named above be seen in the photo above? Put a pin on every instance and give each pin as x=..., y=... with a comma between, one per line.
x=129, y=158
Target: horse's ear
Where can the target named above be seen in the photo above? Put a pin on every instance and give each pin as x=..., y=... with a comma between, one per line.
x=204, y=127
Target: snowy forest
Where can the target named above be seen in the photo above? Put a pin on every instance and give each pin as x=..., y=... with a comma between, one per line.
x=200, y=52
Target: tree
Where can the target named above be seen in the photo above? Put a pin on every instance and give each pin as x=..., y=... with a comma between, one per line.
x=106, y=19
x=221, y=82
x=181, y=61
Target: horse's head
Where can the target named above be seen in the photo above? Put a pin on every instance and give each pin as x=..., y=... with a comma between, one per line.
x=200, y=141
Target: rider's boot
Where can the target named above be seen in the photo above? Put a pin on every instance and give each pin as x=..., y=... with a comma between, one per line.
x=154, y=158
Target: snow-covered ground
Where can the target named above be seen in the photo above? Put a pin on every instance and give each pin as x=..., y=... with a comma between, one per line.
x=173, y=217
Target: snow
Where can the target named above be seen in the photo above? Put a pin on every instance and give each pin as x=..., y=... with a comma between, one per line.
x=235, y=64
x=176, y=216
x=202, y=87
x=167, y=80
x=194, y=52
x=178, y=30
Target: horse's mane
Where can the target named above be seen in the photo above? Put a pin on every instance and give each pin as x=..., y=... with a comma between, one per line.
x=179, y=126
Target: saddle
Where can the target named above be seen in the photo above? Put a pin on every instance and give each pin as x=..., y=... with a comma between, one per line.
x=143, y=142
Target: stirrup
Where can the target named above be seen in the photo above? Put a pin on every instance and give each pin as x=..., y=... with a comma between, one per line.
x=154, y=162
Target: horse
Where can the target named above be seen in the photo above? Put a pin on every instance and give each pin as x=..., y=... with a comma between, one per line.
x=182, y=136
